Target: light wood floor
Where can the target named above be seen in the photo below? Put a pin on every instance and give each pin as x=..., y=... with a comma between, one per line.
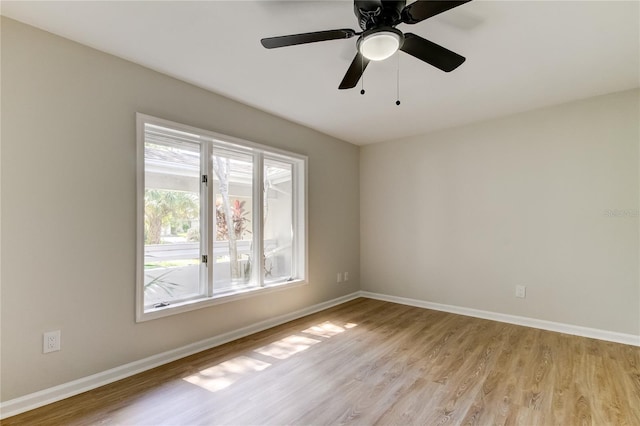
x=371, y=362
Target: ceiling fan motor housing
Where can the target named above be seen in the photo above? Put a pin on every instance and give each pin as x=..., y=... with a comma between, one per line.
x=378, y=13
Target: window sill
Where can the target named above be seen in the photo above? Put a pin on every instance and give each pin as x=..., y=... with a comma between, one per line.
x=204, y=302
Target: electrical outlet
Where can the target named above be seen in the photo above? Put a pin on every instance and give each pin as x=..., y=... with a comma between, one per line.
x=346, y=276
x=339, y=277
x=51, y=341
x=521, y=291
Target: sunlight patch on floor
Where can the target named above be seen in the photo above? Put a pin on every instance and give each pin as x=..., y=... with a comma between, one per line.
x=284, y=348
x=328, y=329
x=225, y=374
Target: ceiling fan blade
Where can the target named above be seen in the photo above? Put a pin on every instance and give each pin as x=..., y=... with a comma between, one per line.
x=355, y=71
x=291, y=40
x=422, y=9
x=431, y=53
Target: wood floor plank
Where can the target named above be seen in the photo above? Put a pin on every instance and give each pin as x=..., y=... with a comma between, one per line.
x=371, y=362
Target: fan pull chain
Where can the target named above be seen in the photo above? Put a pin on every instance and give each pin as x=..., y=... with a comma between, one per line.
x=362, y=74
x=398, y=80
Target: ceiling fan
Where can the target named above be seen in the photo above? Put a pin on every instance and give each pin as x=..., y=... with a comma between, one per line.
x=380, y=38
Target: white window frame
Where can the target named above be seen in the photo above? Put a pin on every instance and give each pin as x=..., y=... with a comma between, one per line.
x=207, y=199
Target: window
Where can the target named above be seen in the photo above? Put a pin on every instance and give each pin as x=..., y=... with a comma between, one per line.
x=218, y=218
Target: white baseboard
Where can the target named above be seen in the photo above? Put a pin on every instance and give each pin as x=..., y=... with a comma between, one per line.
x=47, y=396
x=594, y=333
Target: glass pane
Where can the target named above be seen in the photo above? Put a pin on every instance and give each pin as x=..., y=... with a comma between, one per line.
x=171, y=219
x=278, y=221
x=232, y=179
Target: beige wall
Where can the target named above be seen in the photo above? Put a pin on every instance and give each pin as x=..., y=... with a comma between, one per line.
x=68, y=209
x=461, y=216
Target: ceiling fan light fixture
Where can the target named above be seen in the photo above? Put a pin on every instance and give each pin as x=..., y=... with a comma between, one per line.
x=380, y=44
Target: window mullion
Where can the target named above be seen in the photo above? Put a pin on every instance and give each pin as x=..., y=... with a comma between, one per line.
x=294, y=220
x=208, y=231
x=258, y=225
x=300, y=218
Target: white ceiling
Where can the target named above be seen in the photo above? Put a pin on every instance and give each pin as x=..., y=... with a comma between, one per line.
x=520, y=55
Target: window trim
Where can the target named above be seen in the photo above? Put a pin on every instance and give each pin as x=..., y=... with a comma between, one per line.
x=300, y=219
